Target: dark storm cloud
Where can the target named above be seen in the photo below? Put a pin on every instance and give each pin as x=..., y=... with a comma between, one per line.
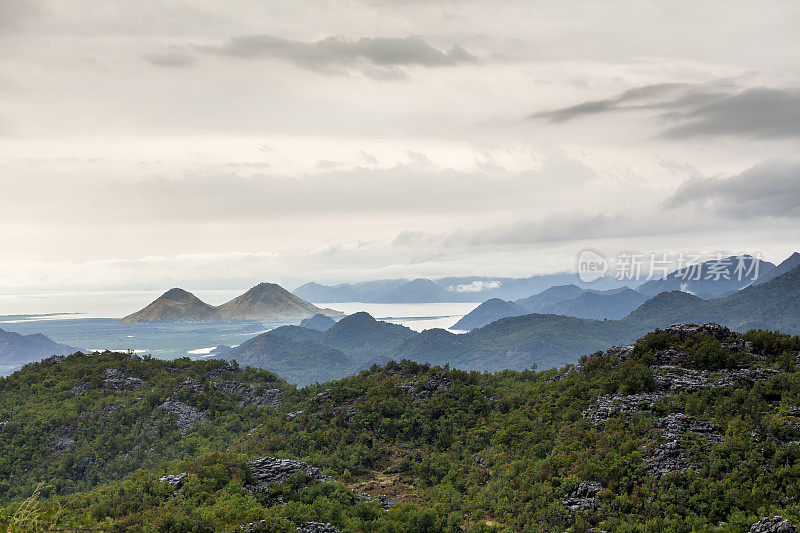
x=332, y=54
x=693, y=110
x=770, y=189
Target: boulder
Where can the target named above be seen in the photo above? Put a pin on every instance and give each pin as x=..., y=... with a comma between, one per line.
x=317, y=527
x=268, y=471
x=176, y=480
x=248, y=395
x=776, y=524
x=190, y=384
x=116, y=379
x=584, y=497
x=186, y=416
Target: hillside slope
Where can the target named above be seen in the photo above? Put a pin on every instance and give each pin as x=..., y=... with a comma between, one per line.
x=16, y=348
x=175, y=305
x=690, y=429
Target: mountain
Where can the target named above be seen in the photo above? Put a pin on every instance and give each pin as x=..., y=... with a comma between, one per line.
x=419, y=290
x=300, y=361
x=600, y=305
x=265, y=302
x=362, y=337
x=318, y=322
x=488, y=312
x=541, y=302
x=175, y=305
x=711, y=279
x=790, y=263
x=566, y=300
x=692, y=428
x=314, y=292
x=451, y=289
x=16, y=348
x=772, y=305
x=268, y=302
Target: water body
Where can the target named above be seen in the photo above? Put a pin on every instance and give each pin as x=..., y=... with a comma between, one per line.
x=90, y=321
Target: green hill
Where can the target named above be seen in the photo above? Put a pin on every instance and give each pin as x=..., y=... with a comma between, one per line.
x=692, y=429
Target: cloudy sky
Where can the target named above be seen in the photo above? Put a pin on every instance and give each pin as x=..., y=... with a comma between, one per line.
x=211, y=144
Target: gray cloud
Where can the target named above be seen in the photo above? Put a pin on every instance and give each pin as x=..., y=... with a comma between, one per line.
x=760, y=112
x=701, y=109
x=770, y=189
x=378, y=57
x=171, y=58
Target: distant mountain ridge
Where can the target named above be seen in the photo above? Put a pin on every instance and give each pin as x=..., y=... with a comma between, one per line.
x=711, y=279
x=547, y=340
x=265, y=301
x=17, y=348
x=451, y=289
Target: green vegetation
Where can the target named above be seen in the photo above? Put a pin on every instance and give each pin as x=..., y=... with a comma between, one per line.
x=455, y=449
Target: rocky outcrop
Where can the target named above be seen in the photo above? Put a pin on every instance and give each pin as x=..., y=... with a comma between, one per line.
x=384, y=501
x=80, y=389
x=186, y=416
x=671, y=456
x=63, y=439
x=584, y=497
x=626, y=404
x=433, y=385
x=221, y=370
x=317, y=527
x=116, y=379
x=175, y=480
x=776, y=524
x=189, y=384
x=3, y=424
x=686, y=330
x=248, y=395
x=260, y=525
x=747, y=374
x=675, y=426
x=667, y=458
x=268, y=471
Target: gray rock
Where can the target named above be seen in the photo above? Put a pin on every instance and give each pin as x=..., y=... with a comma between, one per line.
x=749, y=375
x=223, y=369
x=686, y=330
x=677, y=425
x=116, y=379
x=3, y=424
x=317, y=527
x=80, y=389
x=433, y=385
x=176, y=480
x=294, y=414
x=261, y=525
x=626, y=404
x=268, y=471
x=384, y=501
x=186, y=416
x=667, y=458
x=190, y=384
x=63, y=438
x=776, y=524
x=675, y=378
x=584, y=497
x=248, y=395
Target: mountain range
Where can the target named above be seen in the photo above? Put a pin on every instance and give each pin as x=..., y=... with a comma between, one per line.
x=523, y=340
x=16, y=348
x=452, y=289
x=615, y=304
x=266, y=302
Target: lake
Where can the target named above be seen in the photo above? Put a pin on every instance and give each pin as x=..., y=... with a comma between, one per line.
x=90, y=321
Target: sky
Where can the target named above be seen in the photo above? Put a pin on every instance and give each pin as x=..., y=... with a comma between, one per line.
x=211, y=144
